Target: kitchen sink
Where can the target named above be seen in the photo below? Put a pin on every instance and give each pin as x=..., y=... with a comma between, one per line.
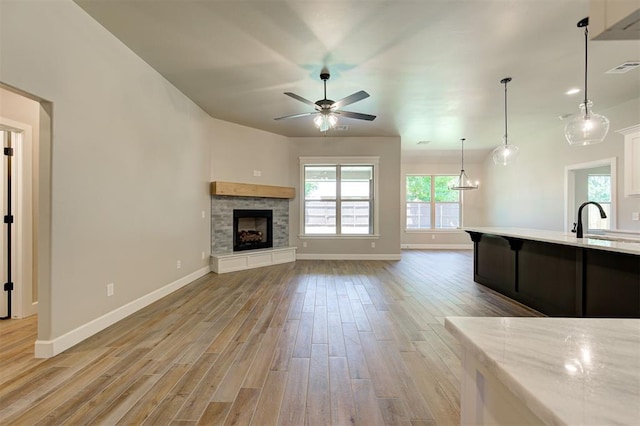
x=611, y=238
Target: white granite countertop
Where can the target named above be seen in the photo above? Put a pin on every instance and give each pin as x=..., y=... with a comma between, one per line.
x=561, y=238
x=565, y=370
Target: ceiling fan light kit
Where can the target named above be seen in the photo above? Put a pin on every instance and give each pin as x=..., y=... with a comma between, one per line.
x=586, y=127
x=324, y=122
x=328, y=111
x=505, y=154
x=463, y=183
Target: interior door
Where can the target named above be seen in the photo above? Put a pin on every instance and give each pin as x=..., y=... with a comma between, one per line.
x=8, y=241
x=16, y=211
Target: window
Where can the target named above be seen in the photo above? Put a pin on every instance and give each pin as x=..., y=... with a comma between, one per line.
x=430, y=204
x=599, y=190
x=338, y=197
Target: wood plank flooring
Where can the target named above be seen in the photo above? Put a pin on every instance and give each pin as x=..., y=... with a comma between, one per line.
x=310, y=342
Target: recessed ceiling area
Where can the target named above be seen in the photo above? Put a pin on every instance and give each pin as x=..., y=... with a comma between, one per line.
x=432, y=68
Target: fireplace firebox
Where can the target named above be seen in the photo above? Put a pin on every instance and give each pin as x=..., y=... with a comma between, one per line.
x=252, y=229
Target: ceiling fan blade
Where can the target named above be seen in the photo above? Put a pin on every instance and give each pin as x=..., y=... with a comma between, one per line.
x=358, y=96
x=301, y=99
x=356, y=115
x=296, y=115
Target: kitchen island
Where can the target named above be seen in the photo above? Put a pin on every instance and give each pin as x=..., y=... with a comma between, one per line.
x=558, y=274
x=548, y=370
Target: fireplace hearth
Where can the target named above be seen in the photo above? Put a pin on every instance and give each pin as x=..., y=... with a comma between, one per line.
x=252, y=229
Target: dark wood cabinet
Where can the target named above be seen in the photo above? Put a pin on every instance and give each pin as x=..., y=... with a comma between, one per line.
x=612, y=287
x=557, y=279
x=494, y=265
x=547, y=278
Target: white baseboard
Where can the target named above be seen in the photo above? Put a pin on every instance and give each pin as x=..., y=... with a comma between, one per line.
x=326, y=256
x=437, y=246
x=51, y=348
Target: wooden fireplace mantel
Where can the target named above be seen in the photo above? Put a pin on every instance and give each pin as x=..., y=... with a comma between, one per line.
x=234, y=189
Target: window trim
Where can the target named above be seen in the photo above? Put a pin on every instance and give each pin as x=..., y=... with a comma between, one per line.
x=341, y=161
x=592, y=210
x=432, y=204
x=570, y=189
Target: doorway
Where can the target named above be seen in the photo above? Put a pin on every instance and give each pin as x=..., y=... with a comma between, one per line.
x=31, y=116
x=18, y=295
x=592, y=181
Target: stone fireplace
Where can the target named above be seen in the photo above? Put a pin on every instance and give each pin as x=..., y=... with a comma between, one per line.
x=249, y=226
x=223, y=235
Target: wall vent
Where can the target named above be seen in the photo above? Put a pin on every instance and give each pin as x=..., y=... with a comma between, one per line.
x=341, y=128
x=625, y=67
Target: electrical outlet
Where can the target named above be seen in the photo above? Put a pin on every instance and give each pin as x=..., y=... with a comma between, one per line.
x=257, y=173
x=203, y=214
x=373, y=244
x=179, y=264
x=304, y=244
x=110, y=289
x=635, y=216
x=433, y=237
x=203, y=255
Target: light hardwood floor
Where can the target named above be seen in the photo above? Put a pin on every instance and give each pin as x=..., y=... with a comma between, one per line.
x=310, y=342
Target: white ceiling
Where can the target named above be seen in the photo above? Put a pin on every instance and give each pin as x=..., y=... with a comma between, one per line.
x=432, y=67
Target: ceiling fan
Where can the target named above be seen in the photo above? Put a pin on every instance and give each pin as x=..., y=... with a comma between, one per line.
x=327, y=111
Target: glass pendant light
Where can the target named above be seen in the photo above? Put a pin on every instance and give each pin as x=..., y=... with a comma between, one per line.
x=586, y=127
x=505, y=154
x=463, y=181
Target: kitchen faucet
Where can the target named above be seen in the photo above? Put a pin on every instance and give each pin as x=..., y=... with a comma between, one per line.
x=603, y=215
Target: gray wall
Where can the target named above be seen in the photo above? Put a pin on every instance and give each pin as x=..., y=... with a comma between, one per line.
x=130, y=163
x=530, y=193
x=388, y=149
x=237, y=152
x=472, y=202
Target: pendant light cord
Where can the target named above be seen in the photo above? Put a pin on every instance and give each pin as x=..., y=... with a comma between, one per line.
x=506, y=141
x=505, y=81
x=586, y=54
x=585, y=23
x=462, y=155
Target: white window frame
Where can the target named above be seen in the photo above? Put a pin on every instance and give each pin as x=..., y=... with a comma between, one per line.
x=432, y=204
x=592, y=211
x=570, y=171
x=341, y=161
